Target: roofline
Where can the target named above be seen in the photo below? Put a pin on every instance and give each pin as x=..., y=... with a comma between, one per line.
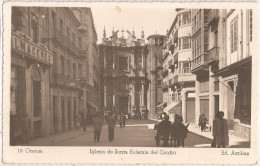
x=155, y=35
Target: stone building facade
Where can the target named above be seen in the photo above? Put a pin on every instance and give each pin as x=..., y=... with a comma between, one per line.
x=49, y=70
x=222, y=60
x=127, y=75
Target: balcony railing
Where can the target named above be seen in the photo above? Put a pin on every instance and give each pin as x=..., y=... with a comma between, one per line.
x=164, y=70
x=171, y=82
x=199, y=61
x=213, y=16
x=171, y=64
x=165, y=85
x=175, y=79
x=213, y=54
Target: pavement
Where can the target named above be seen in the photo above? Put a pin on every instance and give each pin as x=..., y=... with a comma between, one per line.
x=137, y=133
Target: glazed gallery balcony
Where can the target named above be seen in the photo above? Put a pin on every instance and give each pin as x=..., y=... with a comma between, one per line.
x=199, y=62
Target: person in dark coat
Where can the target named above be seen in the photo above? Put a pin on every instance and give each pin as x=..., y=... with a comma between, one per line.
x=111, y=122
x=220, y=131
x=164, y=128
x=84, y=122
x=97, y=125
x=203, y=121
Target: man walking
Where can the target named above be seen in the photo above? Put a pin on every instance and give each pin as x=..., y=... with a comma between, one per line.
x=97, y=125
x=111, y=122
x=203, y=121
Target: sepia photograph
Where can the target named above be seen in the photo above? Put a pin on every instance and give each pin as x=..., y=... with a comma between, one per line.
x=168, y=78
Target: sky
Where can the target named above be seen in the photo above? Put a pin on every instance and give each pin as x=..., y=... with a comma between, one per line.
x=155, y=21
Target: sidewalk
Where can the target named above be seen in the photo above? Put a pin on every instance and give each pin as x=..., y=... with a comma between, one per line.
x=234, y=142
x=54, y=139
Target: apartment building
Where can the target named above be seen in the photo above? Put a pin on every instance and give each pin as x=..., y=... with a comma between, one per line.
x=222, y=42
x=49, y=70
x=178, y=81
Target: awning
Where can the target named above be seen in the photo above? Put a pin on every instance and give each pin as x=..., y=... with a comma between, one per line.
x=162, y=105
x=176, y=109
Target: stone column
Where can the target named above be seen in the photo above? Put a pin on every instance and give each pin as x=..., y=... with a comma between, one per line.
x=142, y=100
x=105, y=95
x=133, y=97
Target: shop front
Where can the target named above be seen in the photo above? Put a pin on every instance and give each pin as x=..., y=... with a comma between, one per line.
x=29, y=90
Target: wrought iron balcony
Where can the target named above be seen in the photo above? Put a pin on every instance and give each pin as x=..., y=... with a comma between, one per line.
x=165, y=86
x=175, y=79
x=164, y=71
x=213, y=54
x=171, y=64
x=199, y=62
x=213, y=16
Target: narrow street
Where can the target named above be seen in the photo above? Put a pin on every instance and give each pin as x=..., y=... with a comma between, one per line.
x=140, y=134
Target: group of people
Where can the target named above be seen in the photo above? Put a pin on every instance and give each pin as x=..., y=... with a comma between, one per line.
x=165, y=126
x=97, y=123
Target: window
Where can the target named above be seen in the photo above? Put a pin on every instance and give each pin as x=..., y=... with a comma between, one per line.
x=250, y=24
x=34, y=27
x=233, y=35
x=156, y=41
x=186, y=18
x=80, y=42
x=123, y=65
x=161, y=41
x=186, y=67
x=186, y=43
x=73, y=38
x=68, y=68
x=62, y=65
x=61, y=27
x=159, y=82
x=80, y=70
x=68, y=33
x=179, y=43
x=53, y=21
x=74, y=70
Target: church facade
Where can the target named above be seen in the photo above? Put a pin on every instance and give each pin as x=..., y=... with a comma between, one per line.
x=124, y=74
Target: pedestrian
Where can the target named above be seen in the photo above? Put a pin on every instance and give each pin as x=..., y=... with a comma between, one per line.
x=203, y=121
x=97, y=125
x=111, y=122
x=220, y=130
x=122, y=120
x=214, y=132
x=84, y=121
x=164, y=128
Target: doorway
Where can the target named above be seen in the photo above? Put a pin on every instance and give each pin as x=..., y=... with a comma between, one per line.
x=37, y=108
x=55, y=115
x=123, y=105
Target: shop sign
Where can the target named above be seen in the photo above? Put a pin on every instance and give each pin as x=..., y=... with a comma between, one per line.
x=31, y=49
